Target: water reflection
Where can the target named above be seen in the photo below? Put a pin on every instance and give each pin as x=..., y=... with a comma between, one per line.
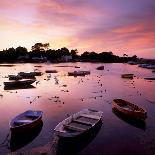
x=18, y=87
x=72, y=146
x=136, y=123
x=19, y=140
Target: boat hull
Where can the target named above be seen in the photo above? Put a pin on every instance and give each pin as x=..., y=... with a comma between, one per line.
x=19, y=83
x=22, y=128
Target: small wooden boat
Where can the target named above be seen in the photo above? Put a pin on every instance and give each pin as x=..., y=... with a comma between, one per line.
x=79, y=123
x=19, y=83
x=51, y=71
x=129, y=76
x=27, y=120
x=78, y=73
x=129, y=109
x=100, y=68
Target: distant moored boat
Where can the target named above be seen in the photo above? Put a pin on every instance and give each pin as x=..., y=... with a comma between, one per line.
x=100, y=68
x=129, y=76
x=78, y=73
x=19, y=83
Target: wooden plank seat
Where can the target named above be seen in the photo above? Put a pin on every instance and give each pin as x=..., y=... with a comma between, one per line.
x=83, y=122
x=74, y=128
x=20, y=122
x=90, y=116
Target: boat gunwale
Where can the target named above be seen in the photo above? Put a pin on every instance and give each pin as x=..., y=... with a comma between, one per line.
x=23, y=114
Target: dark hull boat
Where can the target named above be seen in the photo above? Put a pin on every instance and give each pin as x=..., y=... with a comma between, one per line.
x=128, y=76
x=79, y=123
x=78, y=73
x=18, y=83
x=26, y=121
x=18, y=140
x=129, y=109
x=100, y=68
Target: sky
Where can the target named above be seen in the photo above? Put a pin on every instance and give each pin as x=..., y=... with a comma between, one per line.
x=120, y=26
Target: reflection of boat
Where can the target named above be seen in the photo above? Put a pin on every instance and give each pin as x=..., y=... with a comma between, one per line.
x=19, y=140
x=79, y=123
x=133, y=122
x=129, y=109
x=72, y=147
x=79, y=73
x=130, y=76
x=26, y=121
x=19, y=83
x=100, y=68
x=18, y=87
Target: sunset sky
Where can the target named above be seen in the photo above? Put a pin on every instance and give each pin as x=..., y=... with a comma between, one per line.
x=120, y=26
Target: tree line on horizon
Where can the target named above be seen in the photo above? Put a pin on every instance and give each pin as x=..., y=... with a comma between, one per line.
x=41, y=50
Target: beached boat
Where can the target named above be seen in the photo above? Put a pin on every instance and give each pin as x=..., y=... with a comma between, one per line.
x=78, y=73
x=19, y=83
x=79, y=123
x=129, y=109
x=100, y=68
x=153, y=71
x=26, y=121
x=129, y=76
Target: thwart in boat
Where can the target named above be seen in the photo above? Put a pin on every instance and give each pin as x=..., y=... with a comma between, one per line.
x=79, y=123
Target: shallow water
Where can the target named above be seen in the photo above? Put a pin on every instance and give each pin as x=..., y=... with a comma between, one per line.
x=59, y=95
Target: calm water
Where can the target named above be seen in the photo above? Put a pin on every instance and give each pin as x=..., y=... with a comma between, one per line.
x=58, y=95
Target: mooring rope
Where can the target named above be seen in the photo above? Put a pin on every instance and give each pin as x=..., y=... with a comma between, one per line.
x=6, y=141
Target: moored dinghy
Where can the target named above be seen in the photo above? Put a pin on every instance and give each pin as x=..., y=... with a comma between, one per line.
x=129, y=109
x=129, y=76
x=79, y=123
x=100, y=68
x=16, y=83
x=78, y=73
x=27, y=120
